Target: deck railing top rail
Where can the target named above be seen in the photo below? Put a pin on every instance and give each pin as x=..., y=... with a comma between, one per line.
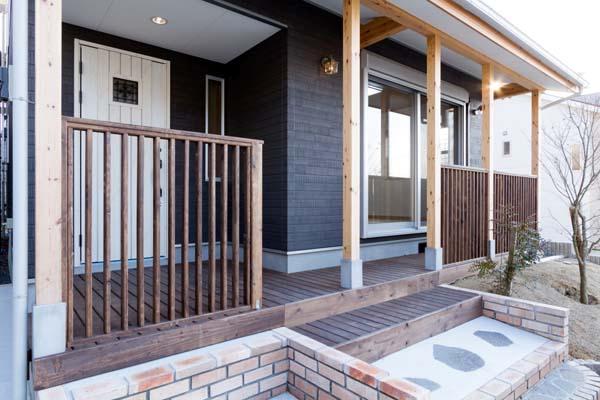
x=480, y=169
x=151, y=132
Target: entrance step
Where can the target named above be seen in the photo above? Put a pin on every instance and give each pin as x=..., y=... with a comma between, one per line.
x=348, y=331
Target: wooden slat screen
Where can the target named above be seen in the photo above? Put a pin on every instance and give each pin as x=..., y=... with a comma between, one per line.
x=158, y=285
x=464, y=213
x=515, y=197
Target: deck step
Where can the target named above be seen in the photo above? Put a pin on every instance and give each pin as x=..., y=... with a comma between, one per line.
x=344, y=329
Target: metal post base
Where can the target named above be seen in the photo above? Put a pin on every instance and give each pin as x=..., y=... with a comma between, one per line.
x=433, y=258
x=49, y=325
x=351, y=274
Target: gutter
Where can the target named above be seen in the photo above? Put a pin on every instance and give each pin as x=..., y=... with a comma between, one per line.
x=20, y=103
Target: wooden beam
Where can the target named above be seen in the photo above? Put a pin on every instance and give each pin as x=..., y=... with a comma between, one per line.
x=477, y=24
x=378, y=29
x=387, y=8
x=351, y=130
x=48, y=156
x=434, y=203
x=509, y=90
x=487, y=140
x=170, y=339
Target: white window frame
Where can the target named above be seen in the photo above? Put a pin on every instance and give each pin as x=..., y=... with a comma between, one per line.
x=373, y=65
x=222, y=133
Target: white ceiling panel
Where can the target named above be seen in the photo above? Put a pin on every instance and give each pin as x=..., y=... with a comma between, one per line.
x=195, y=27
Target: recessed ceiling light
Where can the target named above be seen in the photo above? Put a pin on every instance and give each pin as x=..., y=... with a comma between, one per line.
x=159, y=20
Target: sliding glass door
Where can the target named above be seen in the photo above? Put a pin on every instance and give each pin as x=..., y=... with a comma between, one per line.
x=389, y=122
x=395, y=156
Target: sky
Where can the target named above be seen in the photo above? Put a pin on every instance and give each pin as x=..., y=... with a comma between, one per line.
x=566, y=29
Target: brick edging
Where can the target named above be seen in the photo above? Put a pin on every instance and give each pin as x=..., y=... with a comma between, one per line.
x=520, y=377
x=551, y=322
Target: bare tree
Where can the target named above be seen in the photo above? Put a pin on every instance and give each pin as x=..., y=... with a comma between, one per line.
x=572, y=160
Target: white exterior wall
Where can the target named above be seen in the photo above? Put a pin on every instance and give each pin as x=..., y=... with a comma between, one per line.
x=513, y=123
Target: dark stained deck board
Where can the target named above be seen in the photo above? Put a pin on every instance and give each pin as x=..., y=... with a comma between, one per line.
x=278, y=288
x=338, y=329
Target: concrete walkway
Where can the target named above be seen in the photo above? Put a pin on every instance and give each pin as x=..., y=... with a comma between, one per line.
x=458, y=362
x=572, y=381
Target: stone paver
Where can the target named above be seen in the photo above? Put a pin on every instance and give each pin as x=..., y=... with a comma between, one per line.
x=568, y=382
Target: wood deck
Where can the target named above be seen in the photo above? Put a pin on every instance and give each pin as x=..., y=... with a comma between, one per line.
x=392, y=310
x=278, y=289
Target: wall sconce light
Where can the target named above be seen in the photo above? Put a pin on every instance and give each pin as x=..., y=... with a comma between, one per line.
x=329, y=65
x=477, y=111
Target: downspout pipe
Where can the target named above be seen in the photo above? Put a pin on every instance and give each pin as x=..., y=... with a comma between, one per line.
x=20, y=103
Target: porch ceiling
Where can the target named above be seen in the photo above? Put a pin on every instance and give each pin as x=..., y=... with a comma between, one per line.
x=194, y=27
x=435, y=16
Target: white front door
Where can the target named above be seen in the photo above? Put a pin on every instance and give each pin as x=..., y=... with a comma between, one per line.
x=118, y=86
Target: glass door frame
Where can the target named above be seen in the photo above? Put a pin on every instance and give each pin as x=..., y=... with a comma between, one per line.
x=372, y=230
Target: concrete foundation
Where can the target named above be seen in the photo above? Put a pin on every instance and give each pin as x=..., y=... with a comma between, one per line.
x=49, y=322
x=491, y=248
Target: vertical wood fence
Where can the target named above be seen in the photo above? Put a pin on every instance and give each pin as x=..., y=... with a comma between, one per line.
x=464, y=210
x=160, y=225
x=515, y=199
x=464, y=213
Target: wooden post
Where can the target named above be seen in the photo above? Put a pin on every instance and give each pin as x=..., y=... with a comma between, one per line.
x=487, y=151
x=433, y=252
x=256, y=227
x=49, y=329
x=351, y=271
x=535, y=145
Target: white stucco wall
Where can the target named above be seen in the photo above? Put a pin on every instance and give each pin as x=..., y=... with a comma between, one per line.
x=512, y=123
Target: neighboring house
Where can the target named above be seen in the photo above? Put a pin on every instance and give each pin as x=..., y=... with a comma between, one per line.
x=513, y=155
x=205, y=170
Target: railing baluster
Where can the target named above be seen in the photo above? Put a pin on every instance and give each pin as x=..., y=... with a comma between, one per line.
x=212, y=264
x=224, y=196
x=156, y=231
x=89, y=312
x=248, y=234
x=171, y=239
x=124, y=231
x=69, y=233
x=199, y=183
x=107, y=233
x=185, y=244
x=140, y=231
x=235, y=229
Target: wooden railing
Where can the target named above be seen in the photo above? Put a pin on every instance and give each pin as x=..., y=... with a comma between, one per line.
x=464, y=213
x=136, y=202
x=515, y=199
